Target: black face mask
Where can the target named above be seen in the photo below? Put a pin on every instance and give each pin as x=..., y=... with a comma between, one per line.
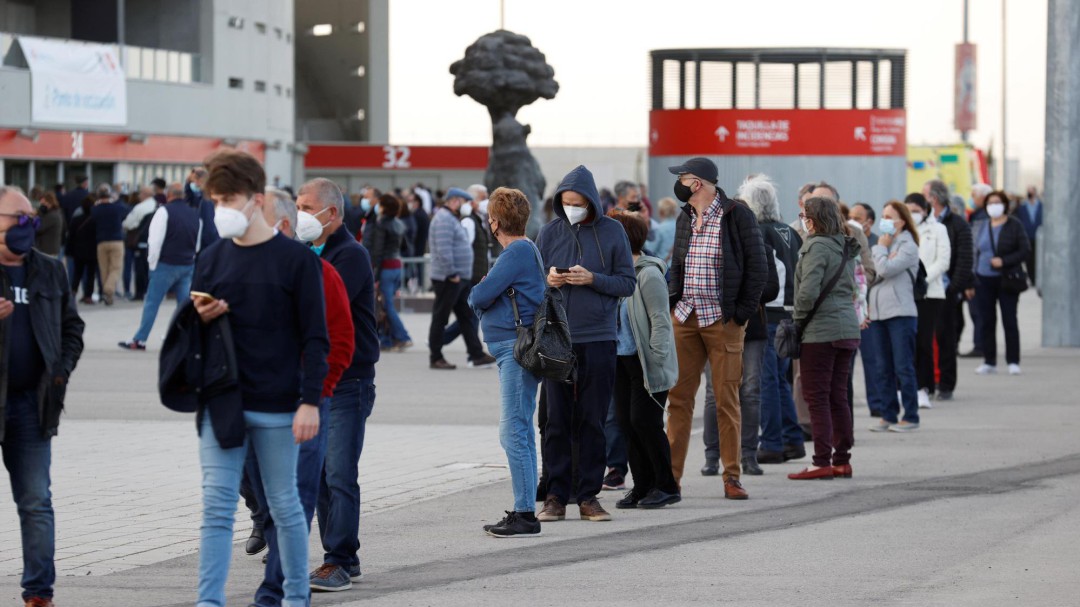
x=683, y=191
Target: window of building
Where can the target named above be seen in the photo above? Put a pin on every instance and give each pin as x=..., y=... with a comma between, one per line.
x=288, y=93
x=277, y=89
x=236, y=83
x=236, y=23
x=278, y=32
x=260, y=27
x=260, y=86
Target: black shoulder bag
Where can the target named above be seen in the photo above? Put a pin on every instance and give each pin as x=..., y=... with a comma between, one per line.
x=545, y=348
x=1014, y=279
x=788, y=340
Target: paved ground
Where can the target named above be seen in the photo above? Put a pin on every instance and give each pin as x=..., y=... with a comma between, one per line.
x=979, y=507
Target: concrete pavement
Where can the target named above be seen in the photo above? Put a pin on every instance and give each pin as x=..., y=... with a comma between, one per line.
x=978, y=507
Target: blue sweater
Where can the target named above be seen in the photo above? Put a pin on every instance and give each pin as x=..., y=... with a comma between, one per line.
x=353, y=263
x=518, y=266
x=109, y=220
x=599, y=245
x=276, y=312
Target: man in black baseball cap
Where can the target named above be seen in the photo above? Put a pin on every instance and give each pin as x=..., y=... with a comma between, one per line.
x=698, y=167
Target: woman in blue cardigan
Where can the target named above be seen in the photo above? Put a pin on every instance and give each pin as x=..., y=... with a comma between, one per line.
x=518, y=267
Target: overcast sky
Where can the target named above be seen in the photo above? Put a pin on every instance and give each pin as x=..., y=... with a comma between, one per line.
x=599, y=50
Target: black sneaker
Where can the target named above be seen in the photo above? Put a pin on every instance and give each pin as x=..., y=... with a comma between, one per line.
x=711, y=467
x=658, y=499
x=629, y=501
x=514, y=525
x=614, y=481
x=792, y=452
x=484, y=362
x=750, y=465
x=132, y=345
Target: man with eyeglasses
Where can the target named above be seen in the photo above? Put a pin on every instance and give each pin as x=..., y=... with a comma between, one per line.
x=39, y=323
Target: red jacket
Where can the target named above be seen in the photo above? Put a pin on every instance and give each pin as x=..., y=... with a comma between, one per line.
x=339, y=327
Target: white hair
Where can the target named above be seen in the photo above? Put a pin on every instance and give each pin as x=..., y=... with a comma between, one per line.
x=284, y=206
x=759, y=192
x=477, y=191
x=981, y=189
x=326, y=192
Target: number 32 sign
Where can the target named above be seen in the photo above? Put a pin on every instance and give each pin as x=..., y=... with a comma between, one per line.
x=396, y=157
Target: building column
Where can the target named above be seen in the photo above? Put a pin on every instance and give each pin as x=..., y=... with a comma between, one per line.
x=1059, y=249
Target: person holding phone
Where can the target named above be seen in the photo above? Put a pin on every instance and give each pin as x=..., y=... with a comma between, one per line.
x=269, y=288
x=588, y=259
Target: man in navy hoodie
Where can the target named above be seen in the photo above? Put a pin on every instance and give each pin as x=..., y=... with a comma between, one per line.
x=588, y=259
x=354, y=397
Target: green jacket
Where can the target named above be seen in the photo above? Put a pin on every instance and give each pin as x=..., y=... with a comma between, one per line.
x=819, y=259
x=650, y=322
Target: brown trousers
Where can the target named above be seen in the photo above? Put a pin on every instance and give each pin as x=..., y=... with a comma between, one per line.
x=110, y=256
x=721, y=344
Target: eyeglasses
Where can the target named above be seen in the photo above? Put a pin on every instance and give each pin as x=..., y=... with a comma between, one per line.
x=24, y=219
x=802, y=215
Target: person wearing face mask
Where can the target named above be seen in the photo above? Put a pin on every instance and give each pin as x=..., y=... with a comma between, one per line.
x=174, y=231
x=385, y=247
x=718, y=273
x=474, y=223
x=281, y=211
x=451, y=274
x=369, y=209
x=338, y=508
x=935, y=253
x=894, y=317
x=269, y=289
x=195, y=196
x=1001, y=246
x=587, y=257
x=42, y=342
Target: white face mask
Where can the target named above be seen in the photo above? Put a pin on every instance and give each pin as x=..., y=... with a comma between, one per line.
x=575, y=215
x=995, y=210
x=232, y=223
x=805, y=226
x=917, y=218
x=308, y=229
x=466, y=209
x=483, y=206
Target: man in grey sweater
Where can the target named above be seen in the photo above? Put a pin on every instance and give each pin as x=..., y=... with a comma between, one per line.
x=451, y=271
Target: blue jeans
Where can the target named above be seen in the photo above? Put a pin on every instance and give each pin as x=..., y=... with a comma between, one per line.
x=339, y=487
x=308, y=469
x=270, y=436
x=163, y=279
x=615, y=452
x=27, y=457
x=779, y=420
x=389, y=283
x=895, y=341
x=871, y=363
x=518, y=389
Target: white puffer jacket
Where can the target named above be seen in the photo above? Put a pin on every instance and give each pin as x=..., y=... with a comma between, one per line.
x=935, y=253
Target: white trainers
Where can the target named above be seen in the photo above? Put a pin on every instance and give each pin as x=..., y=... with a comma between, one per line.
x=924, y=399
x=1014, y=369
x=985, y=369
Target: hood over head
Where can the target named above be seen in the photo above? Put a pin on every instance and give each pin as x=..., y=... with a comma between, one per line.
x=579, y=180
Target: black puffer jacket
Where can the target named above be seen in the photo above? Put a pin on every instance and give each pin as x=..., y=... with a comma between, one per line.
x=57, y=330
x=961, y=273
x=785, y=242
x=756, y=329
x=745, y=267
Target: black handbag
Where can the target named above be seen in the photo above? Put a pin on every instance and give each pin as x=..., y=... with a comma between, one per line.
x=545, y=349
x=788, y=342
x=1014, y=279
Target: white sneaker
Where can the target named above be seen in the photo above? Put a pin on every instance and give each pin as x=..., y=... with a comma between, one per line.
x=1014, y=370
x=924, y=399
x=985, y=369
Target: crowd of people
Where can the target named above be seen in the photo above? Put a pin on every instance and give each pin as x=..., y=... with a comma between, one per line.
x=287, y=301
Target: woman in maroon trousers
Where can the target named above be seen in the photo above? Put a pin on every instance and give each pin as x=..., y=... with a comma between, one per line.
x=830, y=335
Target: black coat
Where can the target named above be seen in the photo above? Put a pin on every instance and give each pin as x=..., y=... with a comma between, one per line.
x=785, y=242
x=1012, y=244
x=757, y=328
x=961, y=269
x=197, y=372
x=745, y=266
x=57, y=329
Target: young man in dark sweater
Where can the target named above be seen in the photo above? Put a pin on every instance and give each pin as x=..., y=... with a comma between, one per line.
x=354, y=397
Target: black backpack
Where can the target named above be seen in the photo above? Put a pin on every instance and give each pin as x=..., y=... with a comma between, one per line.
x=918, y=282
x=545, y=349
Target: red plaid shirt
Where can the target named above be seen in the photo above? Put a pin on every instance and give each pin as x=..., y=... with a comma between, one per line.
x=703, y=268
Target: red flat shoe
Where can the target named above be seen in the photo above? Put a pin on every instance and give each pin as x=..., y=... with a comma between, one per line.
x=823, y=474
x=842, y=471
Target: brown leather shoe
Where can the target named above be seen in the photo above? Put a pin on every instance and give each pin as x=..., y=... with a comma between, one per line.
x=820, y=474
x=442, y=365
x=591, y=510
x=842, y=471
x=552, y=511
x=36, y=601
x=733, y=490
